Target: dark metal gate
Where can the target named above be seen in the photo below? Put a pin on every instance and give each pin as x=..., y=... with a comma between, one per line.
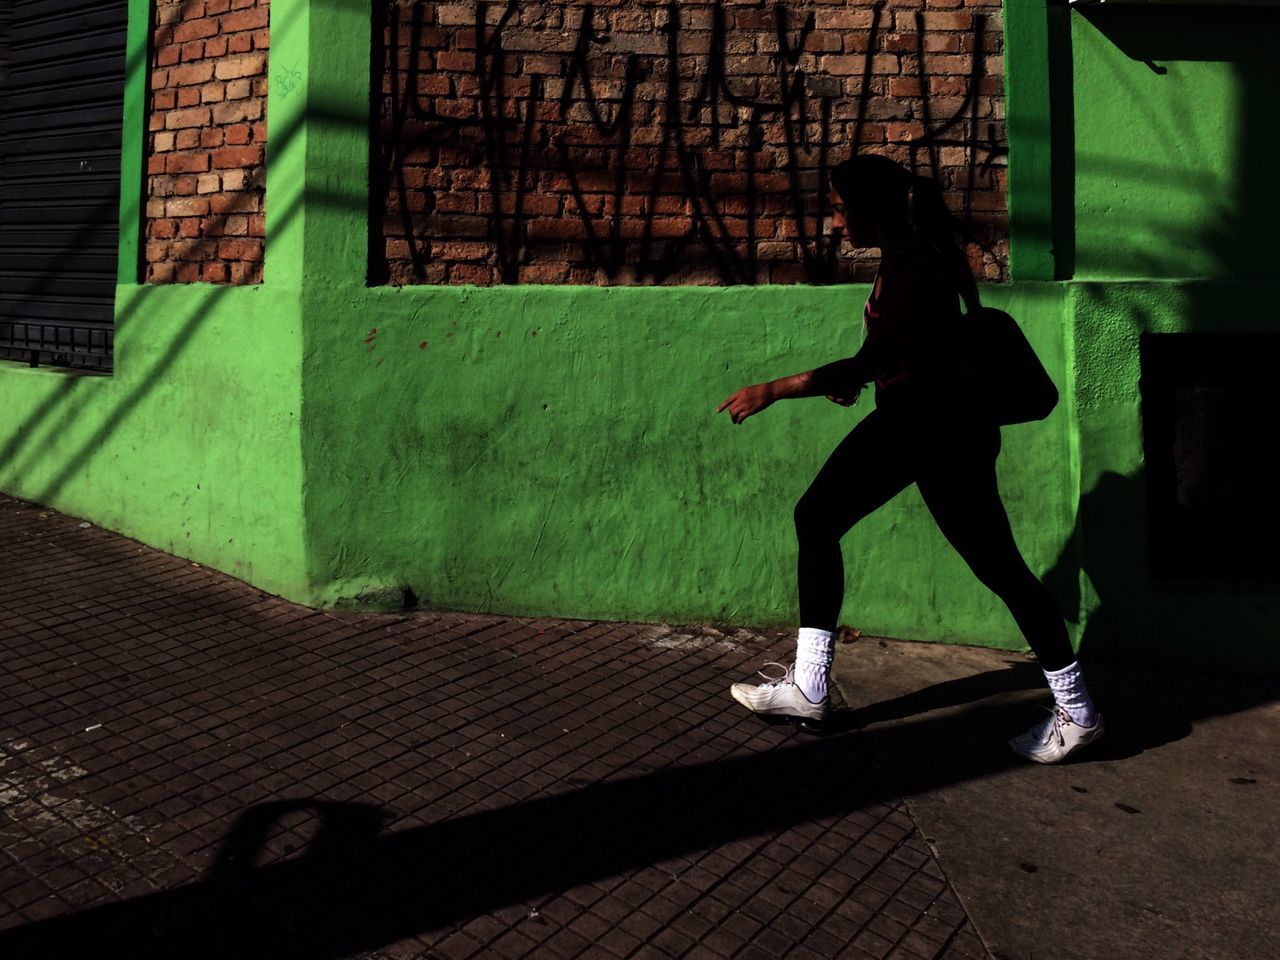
x=62, y=65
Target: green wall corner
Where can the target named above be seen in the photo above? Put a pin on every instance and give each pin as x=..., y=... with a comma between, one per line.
x=193, y=443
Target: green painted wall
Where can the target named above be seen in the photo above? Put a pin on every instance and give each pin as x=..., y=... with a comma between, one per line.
x=1174, y=135
x=581, y=471
x=549, y=450
x=555, y=450
x=1028, y=45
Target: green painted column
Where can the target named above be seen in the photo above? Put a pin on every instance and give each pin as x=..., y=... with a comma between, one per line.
x=1029, y=122
x=287, y=129
x=137, y=71
x=317, y=211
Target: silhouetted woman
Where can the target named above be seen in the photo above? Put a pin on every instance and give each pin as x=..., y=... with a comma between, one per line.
x=920, y=432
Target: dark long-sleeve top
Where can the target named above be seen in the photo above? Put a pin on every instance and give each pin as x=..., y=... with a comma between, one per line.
x=913, y=329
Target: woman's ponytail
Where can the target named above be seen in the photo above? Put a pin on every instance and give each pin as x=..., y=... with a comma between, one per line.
x=932, y=219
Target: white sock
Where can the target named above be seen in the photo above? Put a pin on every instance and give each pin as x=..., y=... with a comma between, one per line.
x=815, y=649
x=1069, y=691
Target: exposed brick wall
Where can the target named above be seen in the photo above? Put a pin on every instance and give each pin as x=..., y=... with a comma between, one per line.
x=494, y=164
x=208, y=134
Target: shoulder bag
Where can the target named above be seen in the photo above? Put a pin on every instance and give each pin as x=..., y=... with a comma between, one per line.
x=1010, y=382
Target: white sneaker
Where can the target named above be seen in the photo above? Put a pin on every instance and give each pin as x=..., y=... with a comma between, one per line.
x=1055, y=738
x=779, y=696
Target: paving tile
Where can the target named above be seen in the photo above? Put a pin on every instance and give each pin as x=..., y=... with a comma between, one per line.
x=422, y=784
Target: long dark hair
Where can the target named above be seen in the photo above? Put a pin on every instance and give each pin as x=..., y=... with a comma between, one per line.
x=880, y=189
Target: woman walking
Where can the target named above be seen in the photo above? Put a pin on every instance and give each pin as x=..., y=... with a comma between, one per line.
x=919, y=432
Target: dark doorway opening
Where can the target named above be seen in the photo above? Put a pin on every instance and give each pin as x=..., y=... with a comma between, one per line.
x=1210, y=413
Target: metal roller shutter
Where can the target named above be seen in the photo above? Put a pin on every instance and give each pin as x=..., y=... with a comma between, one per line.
x=62, y=68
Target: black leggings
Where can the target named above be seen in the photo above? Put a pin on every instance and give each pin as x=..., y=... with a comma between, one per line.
x=954, y=466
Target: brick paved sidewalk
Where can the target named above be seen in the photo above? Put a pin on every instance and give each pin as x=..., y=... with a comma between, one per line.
x=191, y=768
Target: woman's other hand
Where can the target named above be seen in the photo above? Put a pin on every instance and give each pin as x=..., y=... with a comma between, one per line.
x=844, y=398
x=748, y=401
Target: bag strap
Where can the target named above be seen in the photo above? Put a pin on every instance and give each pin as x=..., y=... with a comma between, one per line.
x=967, y=286
x=968, y=289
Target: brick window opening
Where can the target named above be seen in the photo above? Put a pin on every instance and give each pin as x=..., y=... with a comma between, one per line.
x=206, y=165
x=652, y=142
x=1209, y=413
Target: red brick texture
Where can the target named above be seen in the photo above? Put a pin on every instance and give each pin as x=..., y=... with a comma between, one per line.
x=640, y=142
x=206, y=167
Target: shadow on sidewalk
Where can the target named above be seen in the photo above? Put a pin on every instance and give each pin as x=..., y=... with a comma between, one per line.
x=357, y=888
x=1144, y=710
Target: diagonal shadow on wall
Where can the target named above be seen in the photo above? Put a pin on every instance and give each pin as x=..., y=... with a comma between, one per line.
x=27, y=434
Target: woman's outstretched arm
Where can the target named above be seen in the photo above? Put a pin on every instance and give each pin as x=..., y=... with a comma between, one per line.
x=749, y=401
x=840, y=381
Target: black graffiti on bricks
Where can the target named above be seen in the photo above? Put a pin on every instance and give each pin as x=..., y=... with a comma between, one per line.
x=509, y=130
